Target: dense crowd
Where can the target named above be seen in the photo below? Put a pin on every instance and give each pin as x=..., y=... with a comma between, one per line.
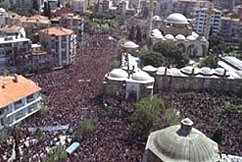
x=75, y=93
x=207, y=111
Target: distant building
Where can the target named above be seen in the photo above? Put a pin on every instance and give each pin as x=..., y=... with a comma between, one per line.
x=177, y=29
x=79, y=6
x=3, y=17
x=20, y=98
x=201, y=20
x=231, y=29
x=60, y=43
x=188, y=7
x=226, y=4
x=14, y=47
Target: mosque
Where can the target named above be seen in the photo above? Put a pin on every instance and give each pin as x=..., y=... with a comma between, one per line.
x=183, y=143
x=176, y=28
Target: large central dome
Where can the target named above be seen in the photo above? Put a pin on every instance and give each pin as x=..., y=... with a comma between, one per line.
x=177, y=18
x=182, y=144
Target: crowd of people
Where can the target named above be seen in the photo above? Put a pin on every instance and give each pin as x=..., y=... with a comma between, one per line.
x=208, y=112
x=74, y=93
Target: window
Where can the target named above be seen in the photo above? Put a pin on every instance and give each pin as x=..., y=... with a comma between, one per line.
x=30, y=98
x=18, y=104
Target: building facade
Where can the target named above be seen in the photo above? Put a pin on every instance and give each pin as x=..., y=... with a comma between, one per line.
x=20, y=98
x=177, y=29
x=203, y=16
x=60, y=43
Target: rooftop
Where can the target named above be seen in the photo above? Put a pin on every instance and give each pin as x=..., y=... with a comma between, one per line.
x=57, y=31
x=13, y=88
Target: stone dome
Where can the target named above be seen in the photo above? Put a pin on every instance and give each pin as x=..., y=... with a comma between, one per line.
x=180, y=37
x=149, y=68
x=118, y=74
x=182, y=143
x=191, y=37
x=177, y=18
x=220, y=72
x=157, y=34
x=130, y=45
x=169, y=37
x=188, y=70
x=206, y=71
x=161, y=70
x=142, y=76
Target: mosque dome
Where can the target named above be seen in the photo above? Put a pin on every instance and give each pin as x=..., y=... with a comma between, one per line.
x=118, y=74
x=161, y=70
x=191, y=37
x=169, y=37
x=156, y=18
x=157, y=34
x=2, y=10
x=180, y=37
x=142, y=76
x=206, y=71
x=182, y=143
x=130, y=45
x=149, y=68
x=177, y=18
x=188, y=70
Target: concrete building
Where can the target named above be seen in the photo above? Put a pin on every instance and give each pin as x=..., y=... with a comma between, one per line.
x=188, y=7
x=3, y=17
x=79, y=6
x=231, y=30
x=20, y=98
x=176, y=29
x=60, y=43
x=14, y=47
x=207, y=21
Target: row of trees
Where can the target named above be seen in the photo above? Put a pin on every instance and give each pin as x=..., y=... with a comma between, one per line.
x=164, y=54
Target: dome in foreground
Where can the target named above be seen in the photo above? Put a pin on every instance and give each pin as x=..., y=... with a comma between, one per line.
x=177, y=18
x=118, y=74
x=142, y=76
x=182, y=143
x=130, y=45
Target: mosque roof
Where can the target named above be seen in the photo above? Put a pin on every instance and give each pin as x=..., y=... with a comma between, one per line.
x=130, y=45
x=118, y=74
x=149, y=68
x=169, y=37
x=182, y=143
x=180, y=37
x=142, y=76
x=176, y=18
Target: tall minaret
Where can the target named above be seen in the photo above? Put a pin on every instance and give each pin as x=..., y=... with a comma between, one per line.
x=151, y=15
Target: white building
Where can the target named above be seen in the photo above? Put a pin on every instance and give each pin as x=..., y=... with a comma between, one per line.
x=19, y=98
x=201, y=21
x=61, y=43
x=3, y=17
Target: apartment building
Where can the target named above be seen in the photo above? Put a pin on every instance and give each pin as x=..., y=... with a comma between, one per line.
x=19, y=99
x=60, y=43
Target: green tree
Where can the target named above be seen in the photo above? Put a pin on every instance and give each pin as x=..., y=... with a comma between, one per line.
x=147, y=112
x=131, y=36
x=165, y=54
x=209, y=61
x=58, y=154
x=138, y=34
x=86, y=127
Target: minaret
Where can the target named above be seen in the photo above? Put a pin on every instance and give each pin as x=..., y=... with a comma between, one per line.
x=151, y=15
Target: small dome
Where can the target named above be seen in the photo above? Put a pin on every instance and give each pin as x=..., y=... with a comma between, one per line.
x=188, y=70
x=156, y=18
x=130, y=45
x=118, y=74
x=176, y=18
x=161, y=70
x=180, y=37
x=142, y=77
x=206, y=71
x=191, y=37
x=156, y=34
x=169, y=37
x=2, y=10
x=182, y=143
x=149, y=68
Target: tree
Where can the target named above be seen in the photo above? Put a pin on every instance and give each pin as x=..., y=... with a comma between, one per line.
x=86, y=127
x=138, y=34
x=131, y=33
x=147, y=112
x=58, y=154
x=209, y=61
x=47, y=9
x=165, y=54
